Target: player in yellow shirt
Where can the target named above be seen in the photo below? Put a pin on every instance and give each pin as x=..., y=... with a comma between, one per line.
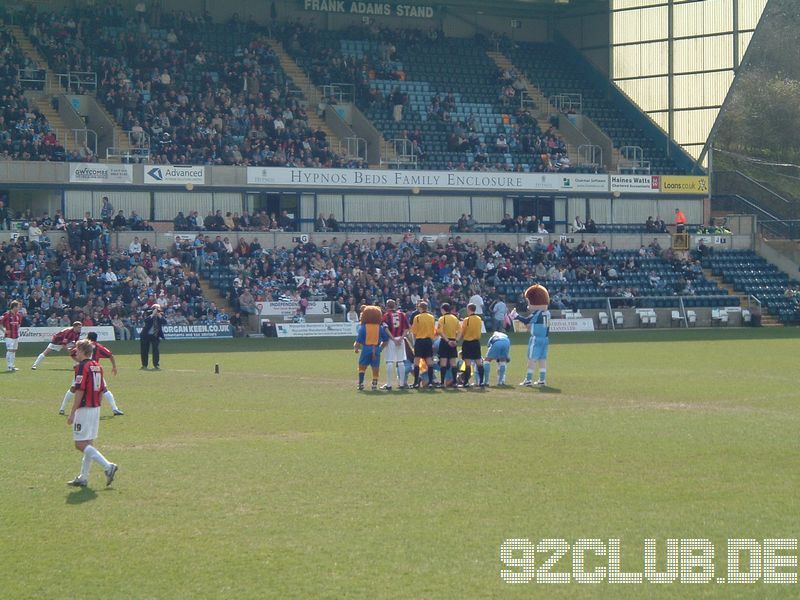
x=471, y=348
x=423, y=328
x=447, y=328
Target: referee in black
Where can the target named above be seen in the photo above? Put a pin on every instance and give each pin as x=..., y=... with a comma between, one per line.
x=152, y=334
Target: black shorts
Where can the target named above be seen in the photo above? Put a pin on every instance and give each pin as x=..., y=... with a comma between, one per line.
x=447, y=351
x=471, y=350
x=423, y=348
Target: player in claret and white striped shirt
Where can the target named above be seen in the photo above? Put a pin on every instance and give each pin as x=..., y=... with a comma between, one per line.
x=85, y=415
x=98, y=351
x=11, y=322
x=66, y=337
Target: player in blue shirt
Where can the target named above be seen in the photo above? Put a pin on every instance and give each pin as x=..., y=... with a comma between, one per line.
x=498, y=349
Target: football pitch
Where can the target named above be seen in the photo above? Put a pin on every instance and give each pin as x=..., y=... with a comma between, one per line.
x=276, y=478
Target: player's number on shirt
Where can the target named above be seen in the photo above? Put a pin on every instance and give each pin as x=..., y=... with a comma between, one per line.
x=97, y=379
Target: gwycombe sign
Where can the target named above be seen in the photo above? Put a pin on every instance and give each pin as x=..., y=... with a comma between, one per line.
x=384, y=9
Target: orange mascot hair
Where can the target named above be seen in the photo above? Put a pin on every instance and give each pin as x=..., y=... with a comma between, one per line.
x=537, y=295
x=371, y=315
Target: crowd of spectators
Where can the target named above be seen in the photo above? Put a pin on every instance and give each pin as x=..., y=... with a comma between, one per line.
x=520, y=135
x=216, y=221
x=66, y=271
x=354, y=273
x=191, y=101
x=25, y=133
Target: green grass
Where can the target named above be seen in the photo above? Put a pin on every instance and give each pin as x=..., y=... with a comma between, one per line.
x=277, y=479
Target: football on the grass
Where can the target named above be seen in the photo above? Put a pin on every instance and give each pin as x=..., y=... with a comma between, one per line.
x=537, y=295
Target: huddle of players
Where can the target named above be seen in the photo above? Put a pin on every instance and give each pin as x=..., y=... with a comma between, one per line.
x=87, y=391
x=431, y=338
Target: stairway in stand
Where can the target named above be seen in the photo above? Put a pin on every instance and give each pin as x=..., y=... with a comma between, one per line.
x=767, y=320
x=43, y=99
x=312, y=94
x=544, y=108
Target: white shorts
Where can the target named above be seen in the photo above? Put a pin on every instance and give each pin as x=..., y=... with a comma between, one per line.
x=86, y=424
x=55, y=347
x=12, y=343
x=394, y=352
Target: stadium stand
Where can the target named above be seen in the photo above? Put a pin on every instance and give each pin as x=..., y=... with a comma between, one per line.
x=25, y=133
x=751, y=274
x=555, y=69
x=455, y=113
x=71, y=273
x=358, y=272
x=200, y=92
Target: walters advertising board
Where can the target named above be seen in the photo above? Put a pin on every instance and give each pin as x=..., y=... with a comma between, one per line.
x=43, y=334
x=100, y=173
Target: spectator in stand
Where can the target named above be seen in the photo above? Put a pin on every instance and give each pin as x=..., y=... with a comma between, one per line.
x=120, y=223
x=135, y=222
x=5, y=220
x=680, y=221
x=285, y=222
x=332, y=224
x=509, y=224
x=321, y=224
x=180, y=223
x=578, y=226
x=106, y=211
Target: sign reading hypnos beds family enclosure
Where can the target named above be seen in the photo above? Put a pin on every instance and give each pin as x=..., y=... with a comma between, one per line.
x=383, y=9
x=426, y=180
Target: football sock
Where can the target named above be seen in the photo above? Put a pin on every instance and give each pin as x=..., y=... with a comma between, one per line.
x=416, y=374
x=529, y=376
x=467, y=374
x=442, y=374
x=389, y=374
x=86, y=464
x=487, y=372
x=95, y=455
x=402, y=375
x=38, y=360
x=542, y=374
x=480, y=375
x=109, y=397
x=10, y=359
x=430, y=375
x=501, y=373
x=361, y=378
x=67, y=398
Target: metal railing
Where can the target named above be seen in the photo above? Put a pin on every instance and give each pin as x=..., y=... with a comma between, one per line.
x=32, y=78
x=78, y=82
x=526, y=101
x=590, y=154
x=568, y=103
x=338, y=93
x=632, y=160
x=132, y=146
x=769, y=225
x=128, y=155
x=78, y=138
x=353, y=148
x=399, y=152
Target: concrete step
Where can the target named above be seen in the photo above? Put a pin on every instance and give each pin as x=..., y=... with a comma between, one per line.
x=767, y=320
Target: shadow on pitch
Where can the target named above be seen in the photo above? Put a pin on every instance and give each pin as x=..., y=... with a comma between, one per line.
x=81, y=495
x=546, y=389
